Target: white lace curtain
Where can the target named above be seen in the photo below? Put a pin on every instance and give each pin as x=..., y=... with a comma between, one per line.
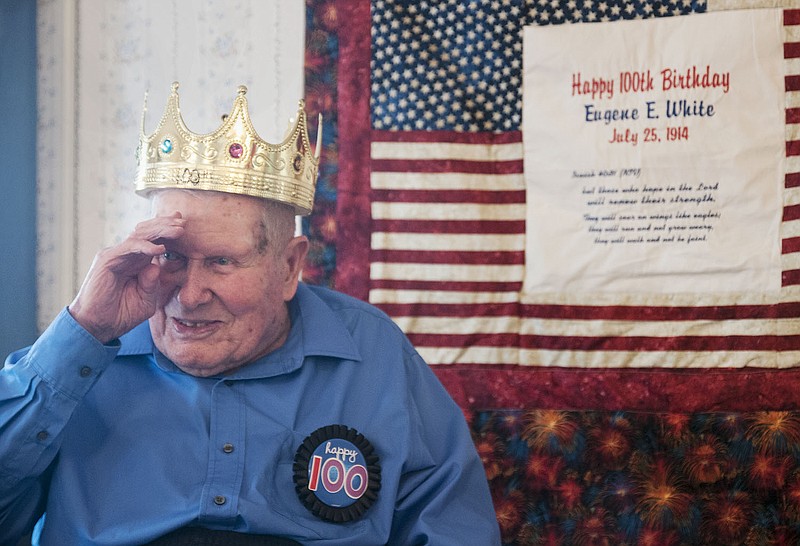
x=96, y=60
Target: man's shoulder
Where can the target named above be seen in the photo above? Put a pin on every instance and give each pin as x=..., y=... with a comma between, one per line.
x=344, y=303
x=362, y=319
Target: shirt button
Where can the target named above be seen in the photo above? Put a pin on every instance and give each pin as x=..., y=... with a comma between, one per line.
x=227, y=448
x=219, y=500
x=86, y=371
x=42, y=435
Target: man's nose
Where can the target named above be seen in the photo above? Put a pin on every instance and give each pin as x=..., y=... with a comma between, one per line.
x=194, y=287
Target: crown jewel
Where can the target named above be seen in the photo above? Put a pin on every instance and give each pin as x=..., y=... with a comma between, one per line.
x=232, y=159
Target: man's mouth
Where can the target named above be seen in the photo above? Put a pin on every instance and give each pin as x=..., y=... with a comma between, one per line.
x=190, y=323
x=194, y=327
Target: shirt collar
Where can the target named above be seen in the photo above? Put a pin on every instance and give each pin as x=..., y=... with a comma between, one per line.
x=316, y=331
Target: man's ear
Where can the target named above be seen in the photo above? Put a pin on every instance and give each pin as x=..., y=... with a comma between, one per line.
x=294, y=256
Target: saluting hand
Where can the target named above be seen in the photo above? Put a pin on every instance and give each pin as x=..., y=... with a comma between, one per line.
x=121, y=289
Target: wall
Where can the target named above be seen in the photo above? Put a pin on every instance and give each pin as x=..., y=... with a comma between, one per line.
x=18, y=168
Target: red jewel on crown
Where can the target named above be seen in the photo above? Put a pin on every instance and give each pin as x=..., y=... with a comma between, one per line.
x=236, y=150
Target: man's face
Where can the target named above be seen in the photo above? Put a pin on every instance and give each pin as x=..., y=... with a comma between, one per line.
x=223, y=295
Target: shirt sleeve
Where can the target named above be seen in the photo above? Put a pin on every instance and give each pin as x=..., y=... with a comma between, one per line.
x=444, y=496
x=40, y=387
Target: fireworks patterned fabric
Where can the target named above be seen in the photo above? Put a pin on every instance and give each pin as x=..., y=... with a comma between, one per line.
x=620, y=478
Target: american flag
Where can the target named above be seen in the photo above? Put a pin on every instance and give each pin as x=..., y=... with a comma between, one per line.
x=431, y=204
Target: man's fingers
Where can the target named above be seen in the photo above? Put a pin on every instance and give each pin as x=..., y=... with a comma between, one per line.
x=131, y=255
x=160, y=228
x=145, y=243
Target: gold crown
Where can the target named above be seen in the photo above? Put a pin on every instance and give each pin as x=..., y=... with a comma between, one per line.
x=232, y=159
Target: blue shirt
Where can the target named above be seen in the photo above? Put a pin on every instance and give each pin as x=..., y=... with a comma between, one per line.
x=118, y=446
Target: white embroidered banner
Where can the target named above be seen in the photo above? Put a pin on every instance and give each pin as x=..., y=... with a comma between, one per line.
x=654, y=154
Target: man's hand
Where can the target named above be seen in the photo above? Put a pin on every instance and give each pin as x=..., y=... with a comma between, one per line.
x=121, y=289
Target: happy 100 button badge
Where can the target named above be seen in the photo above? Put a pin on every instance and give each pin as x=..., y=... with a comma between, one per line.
x=337, y=474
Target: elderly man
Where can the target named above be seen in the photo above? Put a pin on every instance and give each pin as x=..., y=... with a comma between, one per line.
x=195, y=393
